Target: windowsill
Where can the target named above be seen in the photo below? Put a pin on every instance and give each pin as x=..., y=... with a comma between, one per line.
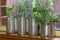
x=57, y=33
x=2, y=28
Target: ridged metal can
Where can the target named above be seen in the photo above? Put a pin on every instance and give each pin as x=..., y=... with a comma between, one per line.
x=16, y=25
x=33, y=27
x=10, y=25
x=27, y=25
x=46, y=30
x=21, y=26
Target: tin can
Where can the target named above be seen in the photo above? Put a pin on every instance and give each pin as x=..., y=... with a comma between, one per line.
x=21, y=26
x=46, y=30
x=27, y=25
x=10, y=25
x=33, y=27
x=16, y=25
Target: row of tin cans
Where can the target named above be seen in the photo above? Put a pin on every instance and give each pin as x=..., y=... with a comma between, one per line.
x=27, y=26
x=22, y=26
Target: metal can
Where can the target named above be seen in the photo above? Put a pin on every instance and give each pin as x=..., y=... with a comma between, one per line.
x=21, y=26
x=33, y=27
x=10, y=25
x=27, y=25
x=16, y=25
x=46, y=30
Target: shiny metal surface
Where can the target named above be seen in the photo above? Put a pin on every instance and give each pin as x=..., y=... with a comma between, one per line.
x=10, y=25
x=21, y=26
x=27, y=25
x=33, y=28
x=16, y=24
x=46, y=30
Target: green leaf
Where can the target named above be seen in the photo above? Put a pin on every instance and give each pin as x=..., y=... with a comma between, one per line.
x=35, y=9
x=8, y=10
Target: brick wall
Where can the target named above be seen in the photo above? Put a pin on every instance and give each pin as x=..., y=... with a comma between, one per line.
x=3, y=11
